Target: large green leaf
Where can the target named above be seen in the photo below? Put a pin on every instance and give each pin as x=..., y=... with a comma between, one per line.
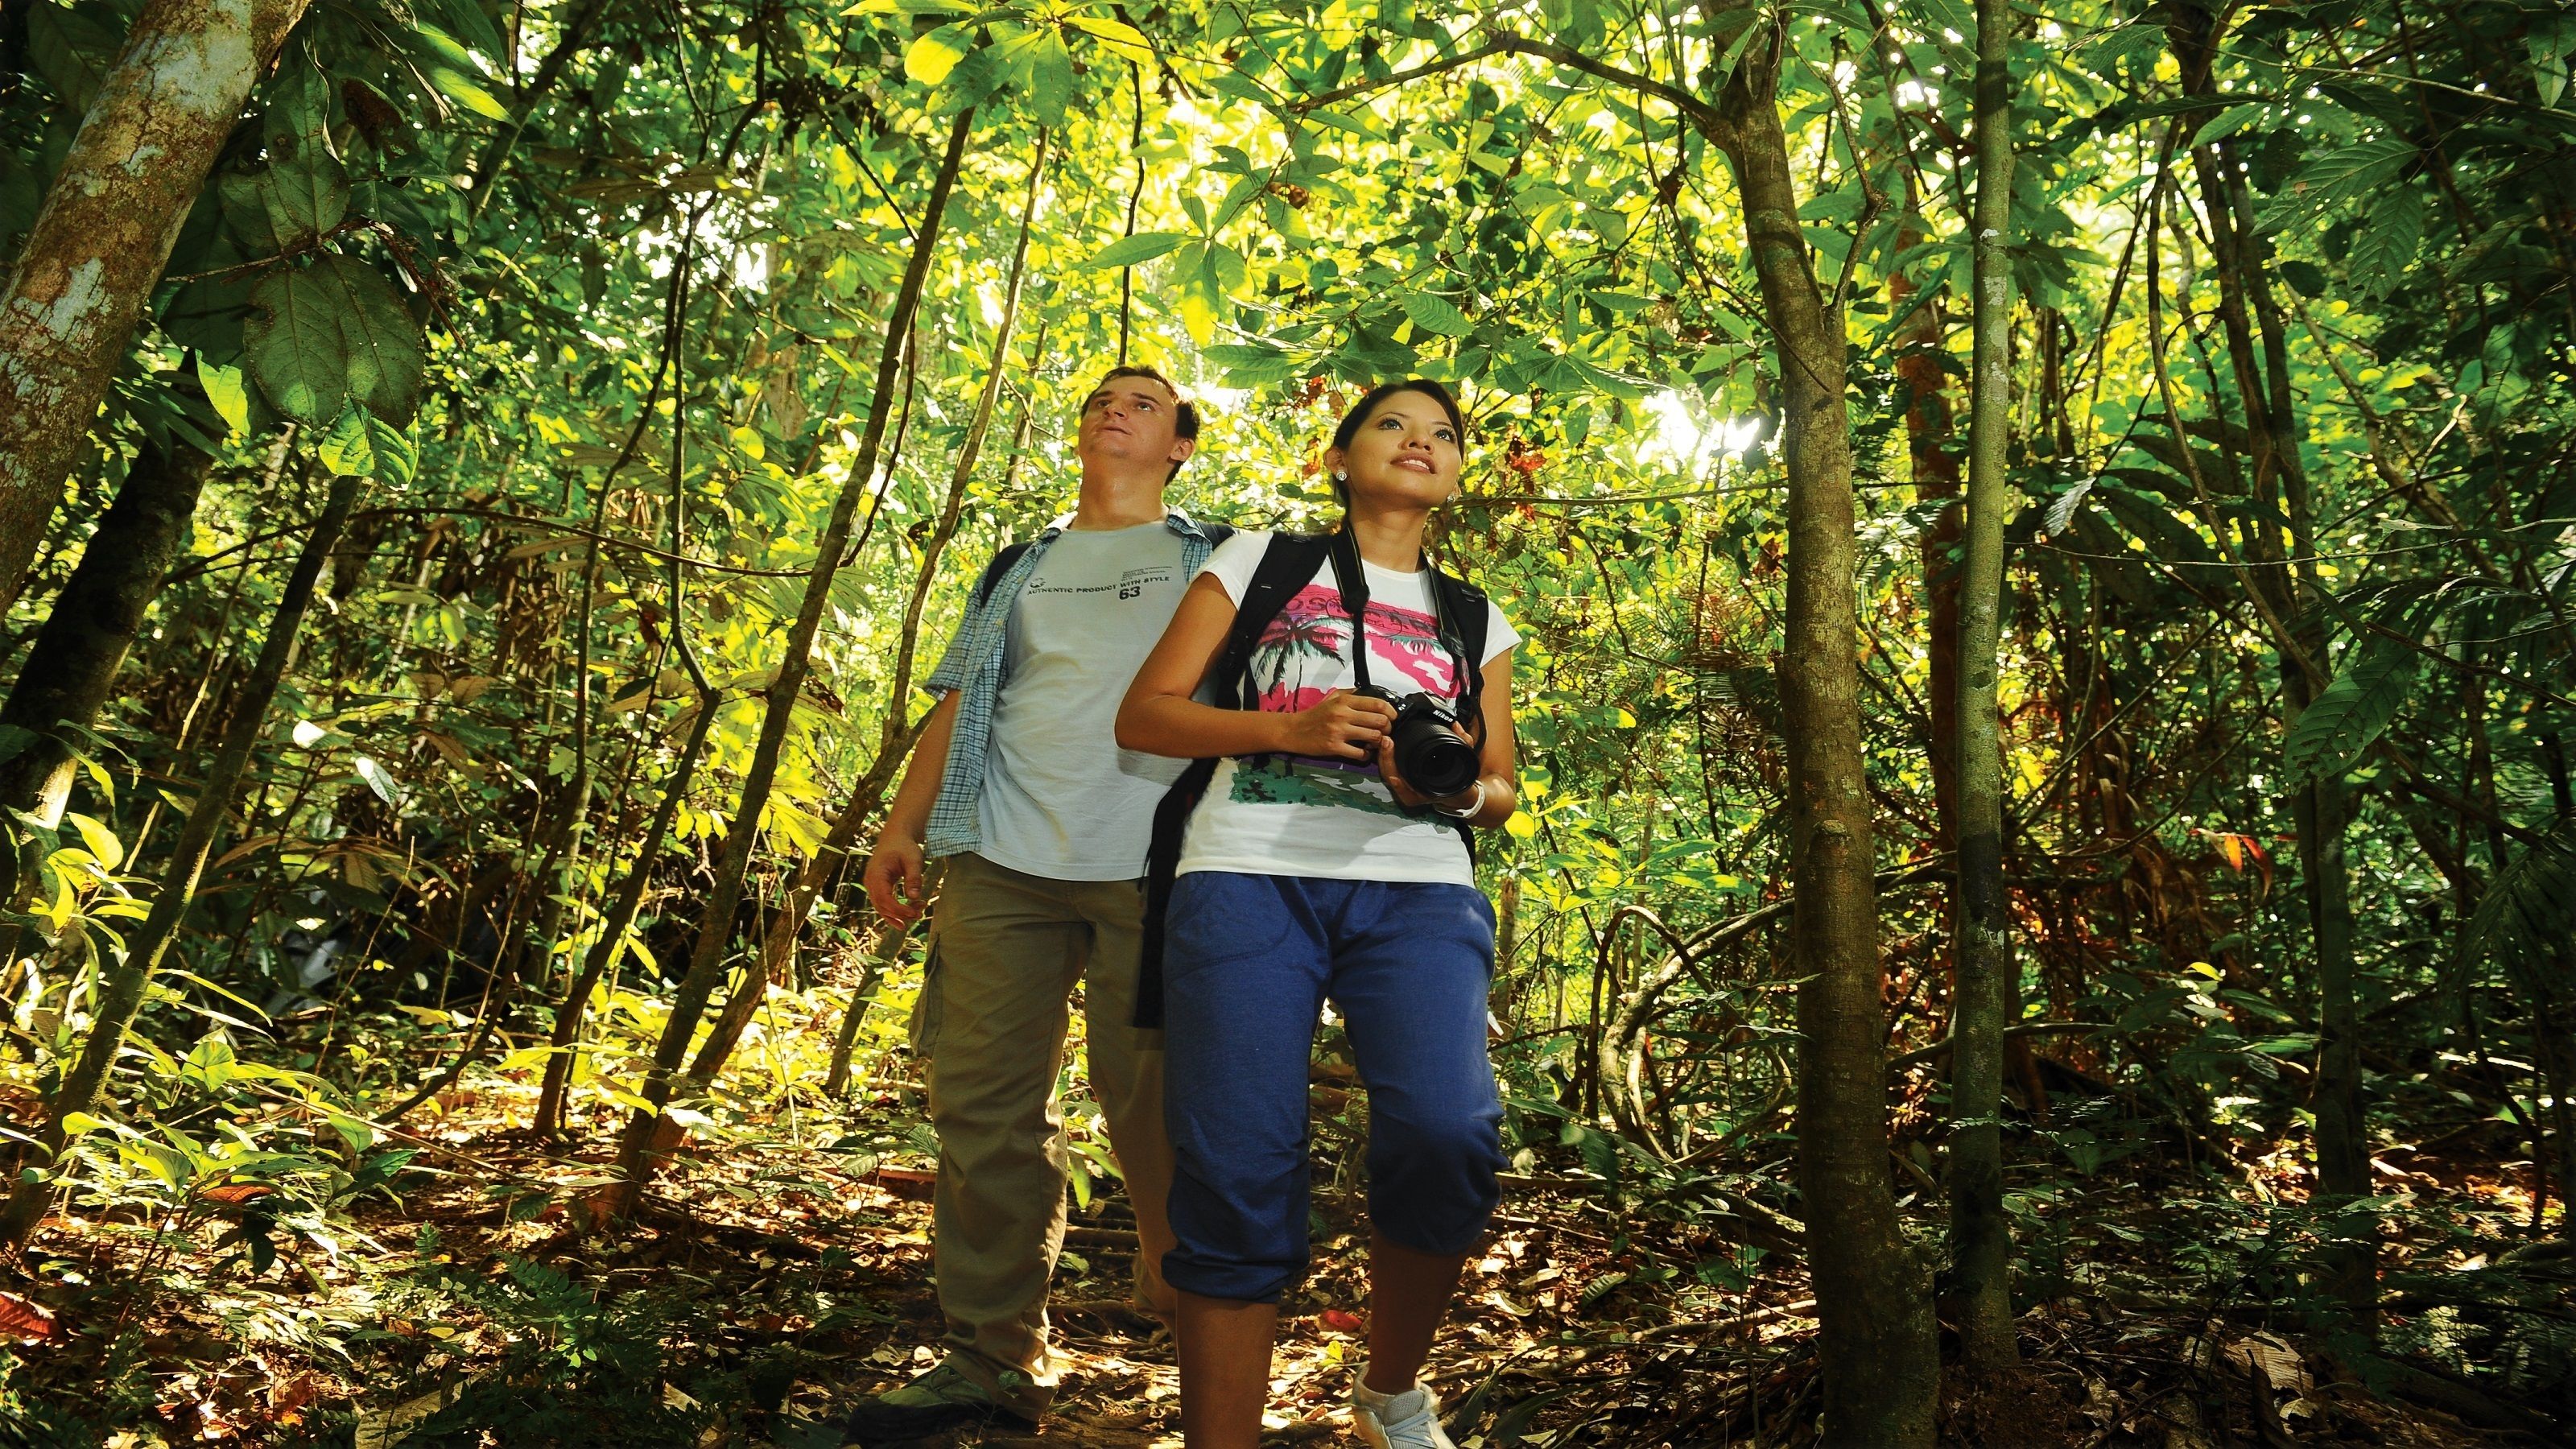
x=322, y=336
x=2345, y=174
x=931, y=56
x=72, y=50
x=2389, y=234
x=1050, y=77
x=294, y=346
x=1144, y=246
x=452, y=72
x=1436, y=314
x=1252, y=365
x=2351, y=712
x=305, y=195
x=363, y=445
x=385, y=360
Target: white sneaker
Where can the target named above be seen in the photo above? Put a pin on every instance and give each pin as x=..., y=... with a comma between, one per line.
x=1409, y=1420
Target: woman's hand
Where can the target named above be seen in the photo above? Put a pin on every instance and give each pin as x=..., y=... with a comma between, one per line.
x=1340, y=726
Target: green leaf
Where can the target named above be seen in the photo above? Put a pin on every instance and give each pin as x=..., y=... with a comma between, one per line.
x=102, y=842
x=1252, y=366
x=2391, y=230
x=930, y=57
x=2227, y=123
x=227, y=391
x=323, y=336
x=2529, y=910
x=1050, y=77
x=2305, y=278
x=304, y=195
x=447, y=66
x=73, y=50
x=384, y=347
x=362, y=445
x=293, y=343
x=2349, y=713
x=465, y=20
x=1144, y=246
x=2349, y=172
x=1436, y=314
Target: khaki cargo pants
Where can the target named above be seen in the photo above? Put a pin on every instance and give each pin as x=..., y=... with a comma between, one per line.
x=1006, y=950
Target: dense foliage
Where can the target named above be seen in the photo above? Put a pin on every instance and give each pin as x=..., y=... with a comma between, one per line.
x=577, y=314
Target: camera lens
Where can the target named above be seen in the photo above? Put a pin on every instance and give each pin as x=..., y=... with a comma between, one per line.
x=1432, y=758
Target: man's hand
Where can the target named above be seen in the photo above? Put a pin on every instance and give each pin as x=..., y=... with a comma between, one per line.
x=1340, y=726
x=893, y=879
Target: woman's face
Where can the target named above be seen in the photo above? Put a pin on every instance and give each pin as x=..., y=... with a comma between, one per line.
x=1406, y=455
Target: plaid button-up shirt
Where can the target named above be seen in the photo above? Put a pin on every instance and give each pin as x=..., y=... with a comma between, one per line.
x=978, y=665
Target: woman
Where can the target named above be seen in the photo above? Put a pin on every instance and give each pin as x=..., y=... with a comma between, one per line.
x=1313, y=868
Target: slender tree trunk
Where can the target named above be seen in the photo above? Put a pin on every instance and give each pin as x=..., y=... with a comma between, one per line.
x=99, y=245
x=778, y=942
x=836, y=1079
x=1878, y=1347
x=637, y=1163
x=71, y=671
x=1980, y=1234
x=1935, y=471
x=121, y=987
x=2319, y=807
x=619, y=921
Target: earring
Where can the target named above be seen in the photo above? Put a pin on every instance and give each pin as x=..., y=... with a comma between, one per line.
x=1341, y=477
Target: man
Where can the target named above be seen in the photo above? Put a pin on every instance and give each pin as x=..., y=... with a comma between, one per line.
x=1043, y=823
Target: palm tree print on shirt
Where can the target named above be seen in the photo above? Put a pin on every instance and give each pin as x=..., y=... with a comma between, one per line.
x=1299, y=659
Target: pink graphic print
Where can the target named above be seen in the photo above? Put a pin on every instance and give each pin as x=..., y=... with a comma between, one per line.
x=1314, y=628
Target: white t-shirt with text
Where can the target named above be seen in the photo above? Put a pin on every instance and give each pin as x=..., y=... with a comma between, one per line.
x=1335, y=819
x=1060, y=799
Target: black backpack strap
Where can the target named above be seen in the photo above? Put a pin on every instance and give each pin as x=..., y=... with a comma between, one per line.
x=993, y=571
x=1286, y=566
x=1468, y=620
x=1216, y=533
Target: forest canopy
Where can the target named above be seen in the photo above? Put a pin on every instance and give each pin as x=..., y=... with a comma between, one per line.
x=2043, y=902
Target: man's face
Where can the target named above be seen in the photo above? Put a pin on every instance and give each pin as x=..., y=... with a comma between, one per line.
x=1132, y=420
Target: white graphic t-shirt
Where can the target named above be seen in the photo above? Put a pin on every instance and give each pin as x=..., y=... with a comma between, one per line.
x=1294, y=815
x=1061, y=800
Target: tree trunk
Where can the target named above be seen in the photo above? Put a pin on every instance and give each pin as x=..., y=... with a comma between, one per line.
x=613, y=930
x=1935, y=472
x=636, y=1162
x=121, y=987
x=2319, y=807
x=99, y=245
x=778, y=942
x=1878, y=1347
x=72, y=670
x=836, y=1079
x=1980, y=1234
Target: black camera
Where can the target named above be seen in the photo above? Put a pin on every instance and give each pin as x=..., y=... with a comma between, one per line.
x=1430, y=753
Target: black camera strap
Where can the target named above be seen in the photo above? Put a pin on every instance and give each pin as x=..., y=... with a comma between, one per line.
x=1351, y=577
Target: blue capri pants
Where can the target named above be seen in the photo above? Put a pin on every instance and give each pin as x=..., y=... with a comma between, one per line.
x=1249, y=961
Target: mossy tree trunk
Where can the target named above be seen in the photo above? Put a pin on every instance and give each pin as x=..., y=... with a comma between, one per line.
x=99, y=245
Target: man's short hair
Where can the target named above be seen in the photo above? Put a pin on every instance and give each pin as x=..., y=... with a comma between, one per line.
x=1185, y=416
